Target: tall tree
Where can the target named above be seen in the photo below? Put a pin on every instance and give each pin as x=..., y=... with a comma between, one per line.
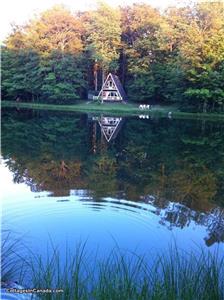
x=46, y=58
x=104, y=36
x=140, y=26
x=202, y=56
x=21, y=78
x=64, y=79
x=57, y=29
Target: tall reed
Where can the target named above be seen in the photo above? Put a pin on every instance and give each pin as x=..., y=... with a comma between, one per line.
x=124, y=275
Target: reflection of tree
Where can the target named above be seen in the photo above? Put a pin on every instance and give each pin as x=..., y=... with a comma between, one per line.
x=102, y=176
x=134, y=166
x=49, y=174
x=189, y=184
x=215, y=225
x=193, y=185
x=53, y=151
x=18, y=170
x=45, y=150
x=178, y=215
x=30, y=134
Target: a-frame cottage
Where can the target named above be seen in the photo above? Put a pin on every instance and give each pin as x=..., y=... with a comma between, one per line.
x=112, y=90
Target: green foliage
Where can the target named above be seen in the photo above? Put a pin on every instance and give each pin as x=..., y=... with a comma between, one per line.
x=20, y=74
x=176, y=57
x=140, y=28
x=47, y=64
x=173, y=57
x=104, y=35
x=63, y=79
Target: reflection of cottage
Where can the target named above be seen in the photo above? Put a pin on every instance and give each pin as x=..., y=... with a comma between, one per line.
x=110, y=127
x=104, y=130
x=112, y=90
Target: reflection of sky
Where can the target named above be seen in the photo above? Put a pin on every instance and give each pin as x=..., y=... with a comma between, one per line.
x=38, y=216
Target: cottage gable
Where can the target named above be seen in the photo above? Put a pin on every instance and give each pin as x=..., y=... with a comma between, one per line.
x=112, y=90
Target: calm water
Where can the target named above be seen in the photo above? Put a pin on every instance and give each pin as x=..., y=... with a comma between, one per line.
x=141, y=183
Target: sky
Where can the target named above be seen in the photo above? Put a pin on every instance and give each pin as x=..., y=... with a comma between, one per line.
x=20, y=11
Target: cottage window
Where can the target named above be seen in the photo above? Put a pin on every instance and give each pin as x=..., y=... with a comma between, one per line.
x=113, y=95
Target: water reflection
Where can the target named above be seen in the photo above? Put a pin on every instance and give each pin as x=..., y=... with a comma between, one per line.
x=172, y=215
x=104, y=129
x=110, y=127
x=169, y=170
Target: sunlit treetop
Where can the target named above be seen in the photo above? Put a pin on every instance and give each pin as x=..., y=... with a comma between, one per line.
x=55, y=29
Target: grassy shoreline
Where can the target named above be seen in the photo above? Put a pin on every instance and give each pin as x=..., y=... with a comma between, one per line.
x=118, y=109
x=121, y=275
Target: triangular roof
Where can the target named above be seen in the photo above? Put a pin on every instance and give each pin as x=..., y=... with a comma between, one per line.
x=118, y=85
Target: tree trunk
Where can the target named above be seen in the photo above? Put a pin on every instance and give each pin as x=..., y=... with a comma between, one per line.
x=96, y=83
x=94, y=138
x=205, y=106
x=203, y=127
x=103, y=76
x=95, y=77
x=123, y=67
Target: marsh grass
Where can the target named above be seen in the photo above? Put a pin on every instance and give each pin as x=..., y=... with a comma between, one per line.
x=70, y=273
x=12, y=264
x=124, y=275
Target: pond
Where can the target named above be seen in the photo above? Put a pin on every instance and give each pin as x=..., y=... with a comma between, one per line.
x=139, y=183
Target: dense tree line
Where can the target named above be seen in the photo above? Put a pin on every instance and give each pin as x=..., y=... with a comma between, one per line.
x=172, y=57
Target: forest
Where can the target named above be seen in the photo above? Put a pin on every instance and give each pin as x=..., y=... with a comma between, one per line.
x=174, y=56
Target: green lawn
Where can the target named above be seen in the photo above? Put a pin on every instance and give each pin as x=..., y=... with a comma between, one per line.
x=117, y=109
